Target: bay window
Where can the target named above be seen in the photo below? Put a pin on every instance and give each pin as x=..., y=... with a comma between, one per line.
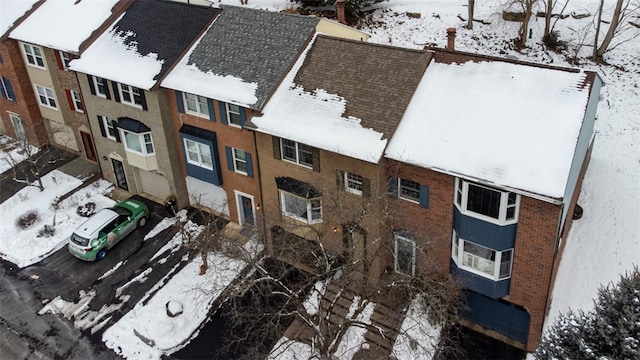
x=496, y=206
x=481, y=260
x=302, y=209
x=141, y=143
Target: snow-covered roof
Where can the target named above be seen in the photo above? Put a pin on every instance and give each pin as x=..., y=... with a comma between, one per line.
x=344, y=96
x=12, y=10
x=144, y=42
x=63, y=24
x=242, y=56
x=509, y=124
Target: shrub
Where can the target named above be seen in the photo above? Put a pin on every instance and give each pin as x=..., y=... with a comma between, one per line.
x=87, y=209
x=27, y=219
x=47, y=231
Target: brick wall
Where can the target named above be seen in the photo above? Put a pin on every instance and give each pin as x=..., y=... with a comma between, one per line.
x=26, y=106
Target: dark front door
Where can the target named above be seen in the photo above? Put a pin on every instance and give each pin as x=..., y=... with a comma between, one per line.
x=118, y=170
x=87, y=142
x=247, y=210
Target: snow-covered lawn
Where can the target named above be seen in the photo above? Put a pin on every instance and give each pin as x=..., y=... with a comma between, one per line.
x=13, y=156
x=22, y=245
x=418, y=338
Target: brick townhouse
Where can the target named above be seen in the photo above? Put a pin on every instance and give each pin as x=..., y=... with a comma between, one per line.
x=487, y=164
x=21, y=118
x=47, y=47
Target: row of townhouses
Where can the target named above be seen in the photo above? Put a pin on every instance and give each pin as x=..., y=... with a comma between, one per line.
x=299, y=126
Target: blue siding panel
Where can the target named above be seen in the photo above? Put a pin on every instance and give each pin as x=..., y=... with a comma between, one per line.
x=229, y=153
x=498, y=315
x=480, y=284
x=484, y=233
x=205, y=137
x=393, y=186
x=249, y=165
x=243, y=116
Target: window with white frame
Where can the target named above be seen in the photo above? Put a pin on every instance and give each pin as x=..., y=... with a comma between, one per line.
x=298, y=153
x=404, y=255
x=46, y=97
x=65, y=58
x=130, y=95
x=500, y=207
x=196, y=105
x=140, y=143
x=302, y=209
x=239, y=160
x=353, y=183
x=198, y=154
x=233, y=114
x=493, y=264
x=110, y=128
x=6, y=89
x=34, y=55
x=409, y=190
x=100, y=86
x=76, y=100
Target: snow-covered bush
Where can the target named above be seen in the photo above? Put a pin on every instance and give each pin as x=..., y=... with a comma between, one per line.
x=27, y=219
x=610, y=331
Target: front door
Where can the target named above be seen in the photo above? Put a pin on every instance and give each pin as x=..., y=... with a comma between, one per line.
x=118, y=170
x=87, y=142
x=18, y=127
x=247, y=210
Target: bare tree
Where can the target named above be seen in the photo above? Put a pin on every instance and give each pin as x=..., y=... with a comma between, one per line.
x=336, y=294
x=526, y=7
x=548, y=37
x=471, y=4
x=619, y=26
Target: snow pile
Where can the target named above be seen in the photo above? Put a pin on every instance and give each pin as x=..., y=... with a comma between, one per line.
x=353, y=339
x=147, y=332
x=418, y=338
x=24, y=246
x=15, y=155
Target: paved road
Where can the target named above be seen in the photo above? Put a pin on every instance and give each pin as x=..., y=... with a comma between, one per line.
x=26, y=335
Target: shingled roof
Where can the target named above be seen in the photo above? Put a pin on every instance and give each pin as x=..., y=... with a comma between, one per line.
x=149, y=29
x=376, y=80
x=252, y=45
x=345, y=96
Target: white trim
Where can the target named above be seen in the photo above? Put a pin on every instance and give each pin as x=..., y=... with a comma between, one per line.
x=457, y=243
x=47, y=96
x=399, y=187
x=35, y=57
x=199, y=111
x=64, y=56
x=239, y=206
x=77, y=100
x=96, y=87
x=502, y=211
x=233, y=157
x=309, y=219
x=412, y=242
x=350, y=189
x=105, y=124
x=130, y=92
x=226, y=105
x=297, y=148
x=199, y=162
x=143, y=143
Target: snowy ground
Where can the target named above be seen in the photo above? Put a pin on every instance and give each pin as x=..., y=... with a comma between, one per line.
x=602, y=245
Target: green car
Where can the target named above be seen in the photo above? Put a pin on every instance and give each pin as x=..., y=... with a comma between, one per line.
x=96, y=236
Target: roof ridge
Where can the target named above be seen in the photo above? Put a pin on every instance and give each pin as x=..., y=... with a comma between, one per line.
x=366, y=43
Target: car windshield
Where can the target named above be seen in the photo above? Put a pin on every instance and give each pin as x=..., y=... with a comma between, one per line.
x=121, y=211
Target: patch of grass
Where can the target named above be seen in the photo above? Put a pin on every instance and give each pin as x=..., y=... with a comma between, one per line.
x=27, y=219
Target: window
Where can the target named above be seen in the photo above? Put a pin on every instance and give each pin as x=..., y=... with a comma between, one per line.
x=130, y=95
x=198, y=154
x=111, y=132
x=299, y=208
x=7, y=89
x=480, y=260
x=139, y=143
x=46, y=97
x=404, y=255
x=353, y=183
x=409, y=190
x=196, y=105
x=34, y=55
x=492, y=205
x=64, y=59
x=76, y=101
x=99, y=86
x=298, y=153
x=233, y=114
x=239, y=160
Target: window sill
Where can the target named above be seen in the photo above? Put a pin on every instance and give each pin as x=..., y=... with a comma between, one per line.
x=485, y=218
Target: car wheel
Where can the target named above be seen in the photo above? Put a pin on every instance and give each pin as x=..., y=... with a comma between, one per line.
x=101, y=254
x=142, y=222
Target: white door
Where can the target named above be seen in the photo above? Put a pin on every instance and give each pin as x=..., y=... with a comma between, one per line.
x=18, y=126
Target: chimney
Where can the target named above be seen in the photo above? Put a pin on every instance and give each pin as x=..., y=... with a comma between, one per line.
x=451, y=38
x=340, y=11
